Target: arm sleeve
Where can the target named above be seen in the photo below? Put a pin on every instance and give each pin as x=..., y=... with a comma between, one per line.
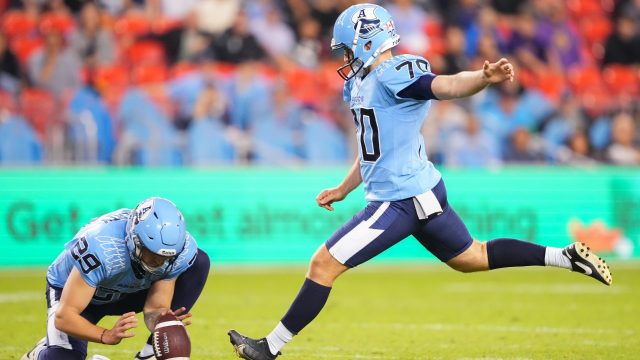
x=419, y=89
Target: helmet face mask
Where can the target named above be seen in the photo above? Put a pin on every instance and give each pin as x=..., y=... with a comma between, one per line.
x=366, y=30
x=155, y=237
x=352, y=65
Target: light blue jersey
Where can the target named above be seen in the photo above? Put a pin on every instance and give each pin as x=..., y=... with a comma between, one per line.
x=99, y=253
x=388, y=116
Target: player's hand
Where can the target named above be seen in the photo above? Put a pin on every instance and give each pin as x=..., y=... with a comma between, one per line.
x=329, y=196
x=121, y=329
x=182, y=315
x=498, y=72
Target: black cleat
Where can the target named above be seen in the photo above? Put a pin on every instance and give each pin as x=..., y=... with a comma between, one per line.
x=250, y=349
x=140, y=357
x=585, y=262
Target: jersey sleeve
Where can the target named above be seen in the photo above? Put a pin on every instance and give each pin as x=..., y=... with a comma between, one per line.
x=410, y=77
x=87, y=258
x=186, y=258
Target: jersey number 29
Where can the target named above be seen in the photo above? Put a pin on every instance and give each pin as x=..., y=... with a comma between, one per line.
x=88, y=262
x=365, y=127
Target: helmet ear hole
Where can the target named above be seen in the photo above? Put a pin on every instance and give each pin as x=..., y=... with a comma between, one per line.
x=367, y=46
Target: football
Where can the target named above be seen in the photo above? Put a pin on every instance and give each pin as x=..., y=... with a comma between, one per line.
x=170, y=339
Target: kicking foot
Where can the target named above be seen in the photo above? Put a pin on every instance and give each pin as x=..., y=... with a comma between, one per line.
x=588, y=263
x=250, y=349
x=33, y=353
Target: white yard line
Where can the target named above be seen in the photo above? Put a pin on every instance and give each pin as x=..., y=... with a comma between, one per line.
x=21, y=296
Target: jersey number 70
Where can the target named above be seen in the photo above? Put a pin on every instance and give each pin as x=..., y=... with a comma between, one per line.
x=367, y=155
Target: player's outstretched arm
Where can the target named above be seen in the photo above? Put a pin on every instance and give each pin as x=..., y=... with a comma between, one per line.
x=76, y=295
x=158, y=303
x=467, y=83
x=338, y=193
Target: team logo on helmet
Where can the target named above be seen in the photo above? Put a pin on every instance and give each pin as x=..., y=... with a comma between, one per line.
x=370, y=24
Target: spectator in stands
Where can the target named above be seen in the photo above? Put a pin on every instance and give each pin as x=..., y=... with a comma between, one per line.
x=10, y=72
x=272, y=33
x=90, y=40
x=208, y=142
x=411, y=27
x=308, y=49
x=525, y=44
x=186, y=42
x=237, y=44
x=444, y=119
x=560, y=39
x=454, y=58
x=576, y=150
x=623, y=45
x=217, y=16
x=471, y=147
x=277, y=137
x=485, y=25
x=54, y=67
x=522, y=149
x=623, y=150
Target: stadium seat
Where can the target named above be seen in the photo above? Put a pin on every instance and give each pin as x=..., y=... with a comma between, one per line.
x=18, y=23
x=595, y=30
x=58, y=22
x=111, y=76
x=19, y=145
x=39, y=108
x=145, y=53
x=90, y=127
x=7, y=102
x=207, y=144
x=579, y=9
x=621, y=79
x=584, y=79
x=552, y=85
x=134, y=24
x=324, y=143
x=149, y=74
x=183, y=68
x=23, y=47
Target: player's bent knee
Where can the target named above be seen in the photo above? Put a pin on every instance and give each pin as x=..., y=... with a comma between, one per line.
x=324, y=268
x=58, y=353
x=471, y=260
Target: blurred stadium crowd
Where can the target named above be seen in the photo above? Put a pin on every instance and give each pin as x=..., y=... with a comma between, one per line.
x=207, y=82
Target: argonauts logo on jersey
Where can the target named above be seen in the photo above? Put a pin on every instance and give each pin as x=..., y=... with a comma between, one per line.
x=370, y=23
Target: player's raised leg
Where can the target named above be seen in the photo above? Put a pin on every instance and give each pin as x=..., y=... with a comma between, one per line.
x=447, y=237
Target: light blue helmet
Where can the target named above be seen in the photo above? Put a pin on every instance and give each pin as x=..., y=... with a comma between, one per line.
x=364, y=31
x=157, y=225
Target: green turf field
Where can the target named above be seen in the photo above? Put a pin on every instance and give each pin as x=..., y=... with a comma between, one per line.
x=383, y=312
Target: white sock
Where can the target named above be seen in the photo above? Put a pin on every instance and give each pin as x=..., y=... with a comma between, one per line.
x=147, y=350
x=278, y=338
x=554, y=257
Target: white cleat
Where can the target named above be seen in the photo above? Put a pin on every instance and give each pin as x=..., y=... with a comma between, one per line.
x=585, y=262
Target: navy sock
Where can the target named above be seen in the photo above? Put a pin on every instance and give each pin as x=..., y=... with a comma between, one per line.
x=306, y=306
x=511, y=252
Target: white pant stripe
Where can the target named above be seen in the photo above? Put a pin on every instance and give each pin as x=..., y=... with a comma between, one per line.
x=55, y=336
x=359, y=237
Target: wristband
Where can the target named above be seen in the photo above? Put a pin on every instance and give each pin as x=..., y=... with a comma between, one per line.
x=102, y=335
